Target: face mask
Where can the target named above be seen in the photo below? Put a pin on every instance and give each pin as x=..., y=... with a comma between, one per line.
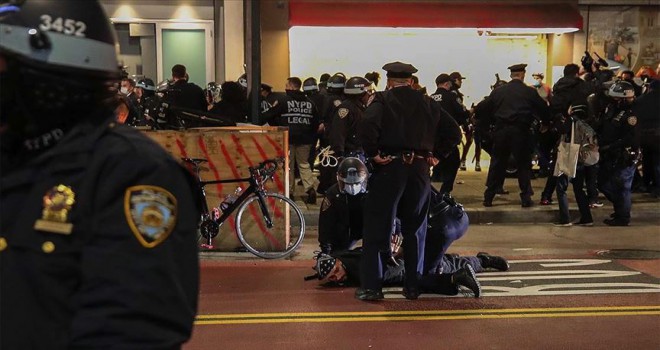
x=124, y=90
x=353, y=189
x=537, y=83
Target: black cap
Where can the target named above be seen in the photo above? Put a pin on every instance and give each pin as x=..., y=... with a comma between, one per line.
x=399, y=70
x=520, y=67
x=456, y=75
x=442, y=78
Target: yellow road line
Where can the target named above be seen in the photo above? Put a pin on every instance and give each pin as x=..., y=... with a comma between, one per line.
x=379, y=316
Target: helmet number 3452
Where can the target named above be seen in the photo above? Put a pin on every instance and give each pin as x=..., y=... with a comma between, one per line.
x=65, y=26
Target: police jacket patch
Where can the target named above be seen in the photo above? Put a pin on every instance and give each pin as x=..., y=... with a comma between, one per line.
x=151, y=213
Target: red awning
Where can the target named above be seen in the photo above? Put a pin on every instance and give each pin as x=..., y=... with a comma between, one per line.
x=432, y=14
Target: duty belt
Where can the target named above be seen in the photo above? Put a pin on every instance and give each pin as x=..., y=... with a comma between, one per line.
x=406, y=156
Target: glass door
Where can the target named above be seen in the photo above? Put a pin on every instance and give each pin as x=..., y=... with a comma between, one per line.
x=190, y=44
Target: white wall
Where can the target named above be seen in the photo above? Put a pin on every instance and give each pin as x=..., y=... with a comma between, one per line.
x=355, y=51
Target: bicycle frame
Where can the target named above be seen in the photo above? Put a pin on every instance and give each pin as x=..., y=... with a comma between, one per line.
x=254, y=187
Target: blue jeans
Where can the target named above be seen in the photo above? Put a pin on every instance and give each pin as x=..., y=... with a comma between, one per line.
x=615, y=184
x=580, y=196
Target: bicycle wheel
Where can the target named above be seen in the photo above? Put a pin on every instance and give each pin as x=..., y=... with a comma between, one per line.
x=282, y=238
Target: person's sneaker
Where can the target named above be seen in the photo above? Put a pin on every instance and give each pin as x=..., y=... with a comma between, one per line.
x=595, y=204
x=477, y=167
x=615, y=222
x=526, y=203
x=311, y=196
x=466, y=277
x=491, y=261
x=462, y=167
x=487, y=203
x=369, y=294
x=563, y=224
x=584, y=223
x=545, y=201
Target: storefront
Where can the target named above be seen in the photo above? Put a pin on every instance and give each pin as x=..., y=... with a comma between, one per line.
x=478, y=39
x=155, y=35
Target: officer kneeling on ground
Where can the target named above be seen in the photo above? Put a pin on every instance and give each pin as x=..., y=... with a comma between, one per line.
x=97, y=223
x=340, y=217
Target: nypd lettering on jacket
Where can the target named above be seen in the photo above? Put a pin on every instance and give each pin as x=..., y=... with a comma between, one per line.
x=299, y=112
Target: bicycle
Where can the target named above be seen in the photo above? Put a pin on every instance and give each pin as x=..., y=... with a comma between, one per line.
x=275, y=234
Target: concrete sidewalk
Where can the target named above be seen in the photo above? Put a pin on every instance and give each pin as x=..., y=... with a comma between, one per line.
x=506, y=209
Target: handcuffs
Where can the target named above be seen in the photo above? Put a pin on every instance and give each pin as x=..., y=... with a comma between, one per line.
x=327, y=159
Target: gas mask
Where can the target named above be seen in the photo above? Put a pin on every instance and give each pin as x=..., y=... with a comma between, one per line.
x=353, y=189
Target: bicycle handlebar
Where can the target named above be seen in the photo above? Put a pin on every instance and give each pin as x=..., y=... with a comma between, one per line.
x=267, y=167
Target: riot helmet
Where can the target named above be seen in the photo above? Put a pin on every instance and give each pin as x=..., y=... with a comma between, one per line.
x=56, y=73
x=213, y=92
x=242, y=80
x=145, y=88
x=357, y=86
x=146, y=84
x=352, y=176
x=621, y=89
x=310, y=85
x=336, y=83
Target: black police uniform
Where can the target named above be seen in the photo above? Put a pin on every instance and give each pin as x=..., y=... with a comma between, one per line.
x=339, y=226
x=343, y=134
x=299, y=113
x=515, y=107
x=618, y=145
x=327, y=173
x=401, y=123
x=447, y=169
x=183, y=94
x=120, y=268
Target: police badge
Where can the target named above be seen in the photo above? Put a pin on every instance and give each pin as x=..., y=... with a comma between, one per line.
x=342, y=112
x=57, y=203
x=151, y=213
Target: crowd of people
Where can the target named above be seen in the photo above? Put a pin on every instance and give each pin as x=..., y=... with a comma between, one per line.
x=407, y=138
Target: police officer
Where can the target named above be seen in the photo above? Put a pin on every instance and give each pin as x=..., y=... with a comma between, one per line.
x=447, y=168
x=335, y=96
x=145, y=89
x=619, y=148
x=340, y=216
x=311, y=90
x=515, y=108
x=398, y=133
x=301, y=116
x=96, y=245
x=185, y=94
x=343, y=135
x=468, y=128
